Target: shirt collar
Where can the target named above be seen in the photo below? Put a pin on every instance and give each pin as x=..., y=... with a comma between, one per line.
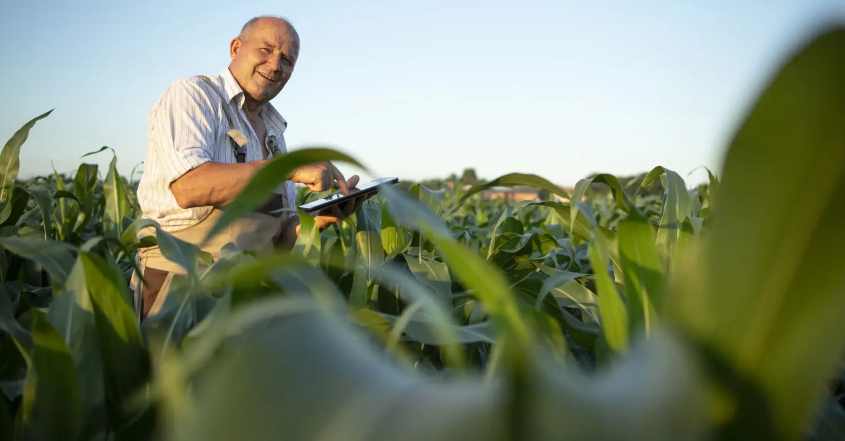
x=234, y=91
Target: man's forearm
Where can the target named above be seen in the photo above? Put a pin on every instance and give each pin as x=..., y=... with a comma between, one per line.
x=213, y=184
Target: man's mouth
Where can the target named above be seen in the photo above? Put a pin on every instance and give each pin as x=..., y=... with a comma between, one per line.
x=269, y=78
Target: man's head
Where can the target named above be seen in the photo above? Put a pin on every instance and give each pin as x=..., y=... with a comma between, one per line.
x=263, y=57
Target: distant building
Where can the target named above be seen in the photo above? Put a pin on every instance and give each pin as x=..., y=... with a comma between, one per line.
x=512, y=194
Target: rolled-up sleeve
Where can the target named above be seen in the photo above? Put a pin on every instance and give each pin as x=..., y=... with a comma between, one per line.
x=185, y=128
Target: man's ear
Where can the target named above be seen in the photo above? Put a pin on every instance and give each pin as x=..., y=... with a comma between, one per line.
x=235, y=47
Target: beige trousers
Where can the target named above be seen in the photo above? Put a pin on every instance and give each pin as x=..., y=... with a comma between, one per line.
x=257, y=233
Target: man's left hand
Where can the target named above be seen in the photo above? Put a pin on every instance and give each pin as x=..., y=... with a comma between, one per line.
x=338, y=213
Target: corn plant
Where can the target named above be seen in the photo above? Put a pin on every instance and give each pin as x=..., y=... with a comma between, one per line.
x=644, y=312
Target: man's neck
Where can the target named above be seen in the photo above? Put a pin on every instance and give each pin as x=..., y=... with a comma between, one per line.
x=251, y=106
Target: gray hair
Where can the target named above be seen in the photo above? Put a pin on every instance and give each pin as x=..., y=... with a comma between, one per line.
x=247, y=28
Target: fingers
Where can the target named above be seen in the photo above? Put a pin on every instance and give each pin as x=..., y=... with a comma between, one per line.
x=340, y=212
x=321, y=176
x=341, y=181
x=352, y=182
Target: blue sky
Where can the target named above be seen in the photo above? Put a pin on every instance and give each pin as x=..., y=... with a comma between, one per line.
x=416, y=89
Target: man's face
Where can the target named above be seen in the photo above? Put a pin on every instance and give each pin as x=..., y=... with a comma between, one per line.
x=263, y=62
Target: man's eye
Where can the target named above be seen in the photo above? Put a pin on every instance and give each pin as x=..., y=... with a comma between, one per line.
x=265, y=50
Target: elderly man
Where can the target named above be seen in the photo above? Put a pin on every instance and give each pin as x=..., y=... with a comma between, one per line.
x=207, y=137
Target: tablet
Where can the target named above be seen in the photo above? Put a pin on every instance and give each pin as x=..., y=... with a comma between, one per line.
x=336, y=198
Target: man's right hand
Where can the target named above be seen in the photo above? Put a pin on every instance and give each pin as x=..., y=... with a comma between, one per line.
x=320, y=176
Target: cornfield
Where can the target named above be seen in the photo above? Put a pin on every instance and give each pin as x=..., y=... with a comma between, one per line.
x=712, y=312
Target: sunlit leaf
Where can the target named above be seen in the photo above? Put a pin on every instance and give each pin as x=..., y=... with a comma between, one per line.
x=267, y=180
x=765, y=301
x=643, y=273
x=51, y=406
x=10, y=158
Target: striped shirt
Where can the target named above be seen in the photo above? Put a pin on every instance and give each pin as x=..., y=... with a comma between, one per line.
x=187, y=128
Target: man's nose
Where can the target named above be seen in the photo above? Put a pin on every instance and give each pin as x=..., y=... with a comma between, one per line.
x=275, y=63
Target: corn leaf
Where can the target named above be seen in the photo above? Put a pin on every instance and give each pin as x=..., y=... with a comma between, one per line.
x=44, y=198
x=614, y=316
x=643, y=273
x=264, y=183
x=516, y=179
x=391, y=236
x=124, y=356
x=14, y=208
x=117, y=203
x=10, y=158
x=54, y=256
x=488, y=284
x=20, y=335
x=367, y=236
x=51, y=403
x=768, y=290
x=72, y=315
x=308, y=243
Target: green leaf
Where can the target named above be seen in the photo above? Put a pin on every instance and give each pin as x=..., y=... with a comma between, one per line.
x=676, y=207
x=331, y=257
x=83, y=187
x=117, y=202
x=13, y=210
x=765, y=299
x=72, y=315
x=652, y=394
x=308, y=243
x=583, y=227
x=184, y=253
x=513, y=251
x=362, y=397
x=44, y=198
x=420, y=330
x=21, y=336
x=10, y=158
x=497, y=228
x=613, y=314
x=59, y=194
x=103, y=148
x=358, y=293
x=556, y=285
x=182, y=310
x=54, y=256
x=643, y=273
x=391, y=236
x=515, y=179
x=436, y=322
x=433, y=199
x=124, y=355
x=264, y=183
x=51, y=403
x=623, y=201
x=434, y=275
x=489, y=285
x=129, y=238
x=367, y=235
x=687, y=245
x=714, y=188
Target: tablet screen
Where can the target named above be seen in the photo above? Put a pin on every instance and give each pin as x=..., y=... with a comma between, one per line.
x=336, y=196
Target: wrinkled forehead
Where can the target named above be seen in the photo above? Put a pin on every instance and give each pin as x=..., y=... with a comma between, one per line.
x=277, y=33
